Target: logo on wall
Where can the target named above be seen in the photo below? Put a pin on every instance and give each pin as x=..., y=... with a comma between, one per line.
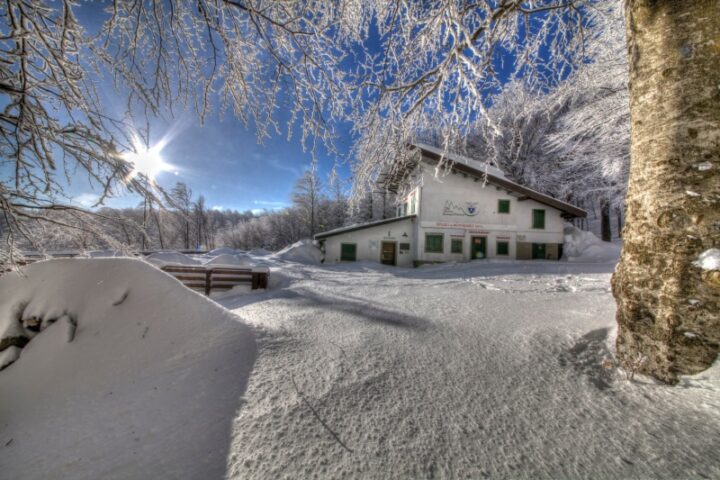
x=468, y=209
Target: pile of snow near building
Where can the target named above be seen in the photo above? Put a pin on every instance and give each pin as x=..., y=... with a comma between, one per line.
x=584, y=246
x=303, y=251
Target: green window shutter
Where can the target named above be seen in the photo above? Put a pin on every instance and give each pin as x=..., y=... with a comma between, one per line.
x=434, y=243
x=348, y=252
x=503, y=206
x=456, y=245
x=503, y=248
x=538, y=219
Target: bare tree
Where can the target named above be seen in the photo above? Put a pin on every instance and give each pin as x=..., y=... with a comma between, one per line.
x=307, y=196
x=182, y=200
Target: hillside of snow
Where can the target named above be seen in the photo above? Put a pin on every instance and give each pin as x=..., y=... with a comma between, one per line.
x=132, y=375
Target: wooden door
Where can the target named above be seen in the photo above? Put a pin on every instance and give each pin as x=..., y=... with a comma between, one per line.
x=478, y=248
x=387, y=255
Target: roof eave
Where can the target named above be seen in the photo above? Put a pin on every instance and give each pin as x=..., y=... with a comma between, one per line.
x=340, y=231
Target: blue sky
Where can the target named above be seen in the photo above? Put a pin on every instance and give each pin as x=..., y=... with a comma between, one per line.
x=220, y=159
x=223, y=161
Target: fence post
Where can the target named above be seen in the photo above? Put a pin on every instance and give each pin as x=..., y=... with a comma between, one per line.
x=208, y=280
x=254, y=280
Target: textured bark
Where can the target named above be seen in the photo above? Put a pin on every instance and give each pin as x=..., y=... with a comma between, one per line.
x=668, y=309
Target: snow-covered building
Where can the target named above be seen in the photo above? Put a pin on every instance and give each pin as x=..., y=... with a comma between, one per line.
x=473, y=212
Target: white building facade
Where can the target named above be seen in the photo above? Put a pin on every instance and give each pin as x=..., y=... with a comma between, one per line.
x=472, y=213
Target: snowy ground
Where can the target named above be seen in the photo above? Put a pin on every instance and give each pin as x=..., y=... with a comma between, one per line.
x=457, y=371
x=358, y=370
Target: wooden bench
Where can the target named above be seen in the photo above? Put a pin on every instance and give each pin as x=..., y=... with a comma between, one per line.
x=218, y=278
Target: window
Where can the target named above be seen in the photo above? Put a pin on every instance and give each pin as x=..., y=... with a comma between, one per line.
x=503, y=247
x=412, y=205
x=434, y=242
x=503, y=206
x=348, y=252
x=456, y=245
x=538, y=219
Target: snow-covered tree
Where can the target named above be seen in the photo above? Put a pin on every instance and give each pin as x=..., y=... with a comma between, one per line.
x=307, y=196
x=182, y=201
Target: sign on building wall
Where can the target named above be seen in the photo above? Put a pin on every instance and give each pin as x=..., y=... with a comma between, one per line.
x=469, y=226
x=467, y=209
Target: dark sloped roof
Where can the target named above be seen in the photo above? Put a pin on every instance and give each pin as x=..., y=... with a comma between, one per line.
x=566, y=208
x=360, y=226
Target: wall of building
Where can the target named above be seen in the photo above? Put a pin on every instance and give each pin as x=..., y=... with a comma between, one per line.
x=459, y=205
x=369, y=240
x=524, y=251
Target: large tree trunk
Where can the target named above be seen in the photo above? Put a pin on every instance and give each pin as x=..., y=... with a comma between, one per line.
x=669, y=309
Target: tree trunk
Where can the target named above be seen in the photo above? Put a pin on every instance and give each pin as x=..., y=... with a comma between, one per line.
x=667, y=307
x=605, y=230
x=618, y=213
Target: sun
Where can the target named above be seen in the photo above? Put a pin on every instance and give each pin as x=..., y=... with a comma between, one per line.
x=146, y=161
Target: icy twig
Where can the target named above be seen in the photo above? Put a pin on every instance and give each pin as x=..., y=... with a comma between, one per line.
x=304, y=399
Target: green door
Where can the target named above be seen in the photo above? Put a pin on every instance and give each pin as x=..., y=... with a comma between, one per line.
x=348, y=252
x=538, y=251
x=478, y=249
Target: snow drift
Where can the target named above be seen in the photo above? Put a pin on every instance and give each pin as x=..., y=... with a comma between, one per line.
x=303, y=251
x=168, y=258
x=127, y=373
x=583, y=246
x=230, y=260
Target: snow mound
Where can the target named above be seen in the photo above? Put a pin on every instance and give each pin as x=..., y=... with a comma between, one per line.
x=222, y=251
x=228, y=259
x=259, y=252
x=583, y=246
x=103, y=254
x=709, y=260
x=303, y=251
x=174, y=258
x=127, y=374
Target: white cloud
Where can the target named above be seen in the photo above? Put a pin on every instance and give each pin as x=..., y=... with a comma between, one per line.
x=86, y=200
x=218, y=208
x=275, y=163
x=269, y=203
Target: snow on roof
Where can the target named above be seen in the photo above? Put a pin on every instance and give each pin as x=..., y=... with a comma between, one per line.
x=359, y=226
x=457, y=158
